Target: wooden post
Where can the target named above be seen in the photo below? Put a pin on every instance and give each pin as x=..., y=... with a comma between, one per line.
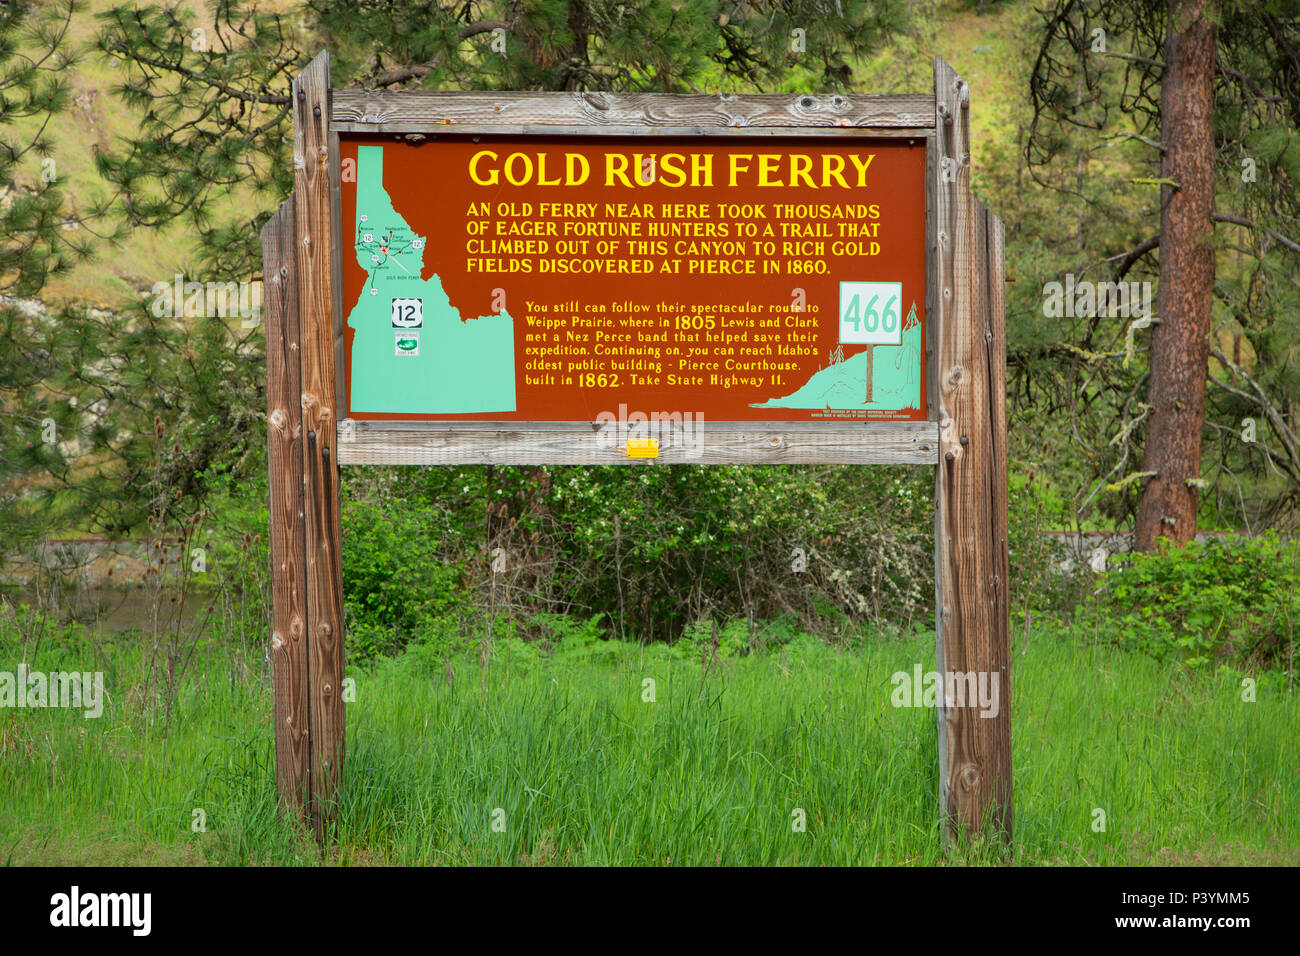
x=871, y=349
x=972, y=612
x=316, y=165
x=288, y=546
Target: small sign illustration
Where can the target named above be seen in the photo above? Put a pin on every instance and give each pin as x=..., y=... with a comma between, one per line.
x=408, y=313
x=406, y=343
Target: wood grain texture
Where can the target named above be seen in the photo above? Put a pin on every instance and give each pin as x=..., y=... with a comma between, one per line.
x=416, y=111
x=972, y=627
x=998, y=729
x=289, y=672
x=313, y=186
x=942, y=199
x=567, y=443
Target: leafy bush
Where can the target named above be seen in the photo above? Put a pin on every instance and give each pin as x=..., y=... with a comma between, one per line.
x=1230, y=601
x=697, y=640
x=659, y=548
x=654, y=549
x=395, y=581
x=569, y=631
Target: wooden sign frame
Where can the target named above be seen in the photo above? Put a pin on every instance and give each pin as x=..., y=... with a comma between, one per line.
x=964, y=438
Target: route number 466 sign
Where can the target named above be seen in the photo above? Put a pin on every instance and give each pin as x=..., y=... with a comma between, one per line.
x=870, y=313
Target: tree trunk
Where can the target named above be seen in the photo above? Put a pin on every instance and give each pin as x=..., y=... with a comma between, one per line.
x=1180, y=339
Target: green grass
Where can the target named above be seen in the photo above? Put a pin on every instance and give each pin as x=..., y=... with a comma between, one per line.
x=587, y=772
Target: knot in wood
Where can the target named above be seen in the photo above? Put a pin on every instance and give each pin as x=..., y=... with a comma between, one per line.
x=970, y=777
x=956, y=375
x=278, y=418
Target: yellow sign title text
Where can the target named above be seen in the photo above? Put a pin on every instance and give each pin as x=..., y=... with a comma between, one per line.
x=814, y=171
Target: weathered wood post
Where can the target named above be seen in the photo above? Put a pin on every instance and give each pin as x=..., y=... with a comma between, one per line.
x=287, y=542
x=316, y=166
x=300, y=267
x=972, y=609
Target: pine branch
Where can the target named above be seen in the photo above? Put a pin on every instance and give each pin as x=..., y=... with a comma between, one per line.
x=424, y=69
x=1290, y=442
x=1243, y=221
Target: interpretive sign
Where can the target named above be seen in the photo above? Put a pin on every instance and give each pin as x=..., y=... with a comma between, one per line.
x=518, y=279
x=636, y=279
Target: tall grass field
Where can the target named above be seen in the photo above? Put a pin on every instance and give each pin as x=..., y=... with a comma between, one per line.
x=592, y=752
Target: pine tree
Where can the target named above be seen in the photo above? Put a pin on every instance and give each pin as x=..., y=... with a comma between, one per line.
x=40, y=237
x=1205, y=97
x=637, y=45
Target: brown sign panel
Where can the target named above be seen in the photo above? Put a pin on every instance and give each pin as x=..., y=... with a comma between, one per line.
x=591, y=278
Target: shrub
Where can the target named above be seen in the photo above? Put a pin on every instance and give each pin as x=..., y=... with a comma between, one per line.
x=570, y=631
x=1229, y=601
x=395, y=581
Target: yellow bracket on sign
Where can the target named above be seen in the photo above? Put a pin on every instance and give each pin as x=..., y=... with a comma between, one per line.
x=642, y=448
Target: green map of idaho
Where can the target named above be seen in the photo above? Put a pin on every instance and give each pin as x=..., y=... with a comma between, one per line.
x=411, y=352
